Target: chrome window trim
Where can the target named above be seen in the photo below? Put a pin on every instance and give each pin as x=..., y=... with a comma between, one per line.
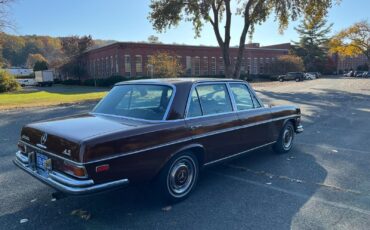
x=253, y=92
x=250, y=94
x=134, y=119
x=207, y=83
x=232, y=98
x=165, y=115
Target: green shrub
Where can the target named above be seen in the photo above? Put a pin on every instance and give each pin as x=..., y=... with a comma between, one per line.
x=8, y=82
x=101, y=82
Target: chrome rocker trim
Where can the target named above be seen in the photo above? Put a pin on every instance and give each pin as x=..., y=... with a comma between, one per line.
x=65, y=183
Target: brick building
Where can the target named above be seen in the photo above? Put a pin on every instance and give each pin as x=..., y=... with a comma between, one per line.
x=131, y=59
x=350, y=63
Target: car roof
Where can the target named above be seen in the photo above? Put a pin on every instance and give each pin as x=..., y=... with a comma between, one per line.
x=179, y=80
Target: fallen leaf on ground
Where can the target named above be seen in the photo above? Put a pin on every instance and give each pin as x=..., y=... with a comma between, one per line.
x=167, y=208
x=33, y=200
x=268, y=183
x=54, y=199
x=85, y=215
x=334, y=151
x=22, y=221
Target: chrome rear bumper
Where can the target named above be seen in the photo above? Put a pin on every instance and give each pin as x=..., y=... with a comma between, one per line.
x=65, y=183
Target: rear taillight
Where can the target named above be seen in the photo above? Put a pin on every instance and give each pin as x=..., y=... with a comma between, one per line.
x=74, y=170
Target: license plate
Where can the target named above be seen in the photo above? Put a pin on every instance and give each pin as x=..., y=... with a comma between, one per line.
x=40, y=161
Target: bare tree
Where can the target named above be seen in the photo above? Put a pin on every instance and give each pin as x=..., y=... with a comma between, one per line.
x=5, y=19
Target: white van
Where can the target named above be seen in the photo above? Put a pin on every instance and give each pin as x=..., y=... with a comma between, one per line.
x=27, y=82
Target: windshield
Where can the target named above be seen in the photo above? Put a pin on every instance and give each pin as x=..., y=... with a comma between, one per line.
x=141, y=101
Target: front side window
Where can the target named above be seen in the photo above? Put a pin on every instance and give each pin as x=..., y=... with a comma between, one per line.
x=214, y=99
x=147, y=102
x=195, y=110
x=242, y=97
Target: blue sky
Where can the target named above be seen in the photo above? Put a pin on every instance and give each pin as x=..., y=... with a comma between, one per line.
x=126, y=20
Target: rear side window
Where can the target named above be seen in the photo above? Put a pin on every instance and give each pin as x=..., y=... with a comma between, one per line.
x=214, y=99
x=243, y=98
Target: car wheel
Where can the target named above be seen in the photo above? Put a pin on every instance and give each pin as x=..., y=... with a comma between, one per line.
x=285, y=142
x=179, y=177
x=297, y=79
x=281, y=79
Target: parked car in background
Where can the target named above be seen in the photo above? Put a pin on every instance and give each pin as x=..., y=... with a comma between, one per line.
x=310, y=76
x=366, y=74
x=358, y=73
x=27, y=82
x=200, y=122
x=44, y=77
x=349, y=74
x=297, y=76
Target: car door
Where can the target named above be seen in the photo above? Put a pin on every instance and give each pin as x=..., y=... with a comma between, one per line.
x=255, y=120
x=211, y=120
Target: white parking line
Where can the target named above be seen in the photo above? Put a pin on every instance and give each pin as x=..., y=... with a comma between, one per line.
x=296, y=194
x=331, y=147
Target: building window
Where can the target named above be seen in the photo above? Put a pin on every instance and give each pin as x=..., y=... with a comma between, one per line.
x=249, y=64
x=102, y=61
x=262, y=69
x=196, y=65
x=106, y=66
x=117, y=64
x=221, y=64
x=242, y=67
x=188, y=65
x=127, y=65
x=213, y=66
x=139, y=64
x=268, y=66
x=255, y=68
x=111, y=65
x=205, y=66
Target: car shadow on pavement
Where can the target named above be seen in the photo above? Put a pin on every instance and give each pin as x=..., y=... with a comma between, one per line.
x=232, y=195
x=322, y=104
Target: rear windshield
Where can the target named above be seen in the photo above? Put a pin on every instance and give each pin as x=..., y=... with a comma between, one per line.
x=141, y=101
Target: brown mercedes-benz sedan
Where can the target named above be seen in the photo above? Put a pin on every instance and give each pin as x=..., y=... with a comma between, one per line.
x=159, y=129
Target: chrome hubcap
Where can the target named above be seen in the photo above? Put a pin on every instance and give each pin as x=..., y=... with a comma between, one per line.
x=287, y=138
x=181, y=176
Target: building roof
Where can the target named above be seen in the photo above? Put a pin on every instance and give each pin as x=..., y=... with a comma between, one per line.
x=283, y=46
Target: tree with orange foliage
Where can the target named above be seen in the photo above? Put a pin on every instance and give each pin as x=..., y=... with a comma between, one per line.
x=352, y=41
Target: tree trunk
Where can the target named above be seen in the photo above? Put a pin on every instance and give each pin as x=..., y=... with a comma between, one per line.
x=227, y=64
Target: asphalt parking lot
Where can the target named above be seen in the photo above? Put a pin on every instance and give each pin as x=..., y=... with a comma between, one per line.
x=324, y=182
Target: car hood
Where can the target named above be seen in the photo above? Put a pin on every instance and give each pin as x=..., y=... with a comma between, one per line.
x=65, y=136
